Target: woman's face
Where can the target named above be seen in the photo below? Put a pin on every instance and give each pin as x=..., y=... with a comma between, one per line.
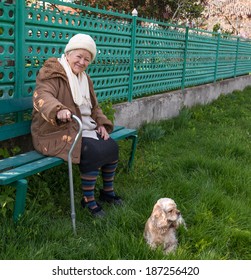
x=78, y=60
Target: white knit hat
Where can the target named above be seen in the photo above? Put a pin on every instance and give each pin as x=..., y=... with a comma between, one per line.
x=82, y=41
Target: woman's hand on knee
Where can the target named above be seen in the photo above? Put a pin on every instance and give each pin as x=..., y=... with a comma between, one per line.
x=103, y=133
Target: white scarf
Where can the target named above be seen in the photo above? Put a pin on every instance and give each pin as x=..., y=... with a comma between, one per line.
x=78, y=83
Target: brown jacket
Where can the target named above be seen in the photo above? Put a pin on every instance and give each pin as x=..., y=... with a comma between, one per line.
x=52, y=94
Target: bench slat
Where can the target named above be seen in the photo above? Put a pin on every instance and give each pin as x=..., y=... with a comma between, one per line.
x=19, y=160
x=123, y=133
x=14, y=130
x=13, y=105
x=29, y=169
x=117, y=127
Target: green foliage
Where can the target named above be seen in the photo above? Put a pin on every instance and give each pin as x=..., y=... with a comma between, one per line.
x=185, y=9
x=108, y=110
x=7, y=193
x=151, y=132
x=5, y=153
x=6, y=200
x=50, y=193
x=216, y=27
x=159, y=9
x=183, y=120
x=225, y=33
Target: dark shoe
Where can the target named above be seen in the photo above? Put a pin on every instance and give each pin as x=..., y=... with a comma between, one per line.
x=97, y=212
x=116, y=200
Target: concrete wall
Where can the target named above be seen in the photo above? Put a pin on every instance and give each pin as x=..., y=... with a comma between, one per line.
x=167, y=105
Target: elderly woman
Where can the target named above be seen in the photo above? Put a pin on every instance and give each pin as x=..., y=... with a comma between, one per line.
x=62, y=89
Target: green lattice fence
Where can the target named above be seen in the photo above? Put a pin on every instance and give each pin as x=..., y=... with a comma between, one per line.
x=136, y=56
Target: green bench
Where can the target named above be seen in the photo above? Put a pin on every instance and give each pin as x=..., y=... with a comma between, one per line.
x=15, y=170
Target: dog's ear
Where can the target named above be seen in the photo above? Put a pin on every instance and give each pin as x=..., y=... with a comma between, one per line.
x=159, y=217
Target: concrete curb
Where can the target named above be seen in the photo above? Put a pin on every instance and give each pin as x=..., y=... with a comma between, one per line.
x=168, y=105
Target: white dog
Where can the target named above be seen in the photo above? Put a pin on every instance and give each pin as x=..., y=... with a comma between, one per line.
x=160, y=228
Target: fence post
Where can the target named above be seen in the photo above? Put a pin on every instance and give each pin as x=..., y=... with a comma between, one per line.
x=185, y=59
x=19, y=48
x=236, y=57
x=133, y=41
x=217, y=56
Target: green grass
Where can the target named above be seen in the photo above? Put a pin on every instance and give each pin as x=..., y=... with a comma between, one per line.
x=201, y=159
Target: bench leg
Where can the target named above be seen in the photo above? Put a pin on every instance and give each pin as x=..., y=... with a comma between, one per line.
x=21, y=190
x=133, y=150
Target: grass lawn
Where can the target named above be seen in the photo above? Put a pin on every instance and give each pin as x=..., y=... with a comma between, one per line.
x=201, y=159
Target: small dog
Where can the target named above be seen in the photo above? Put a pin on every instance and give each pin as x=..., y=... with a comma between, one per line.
x=160, y=228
